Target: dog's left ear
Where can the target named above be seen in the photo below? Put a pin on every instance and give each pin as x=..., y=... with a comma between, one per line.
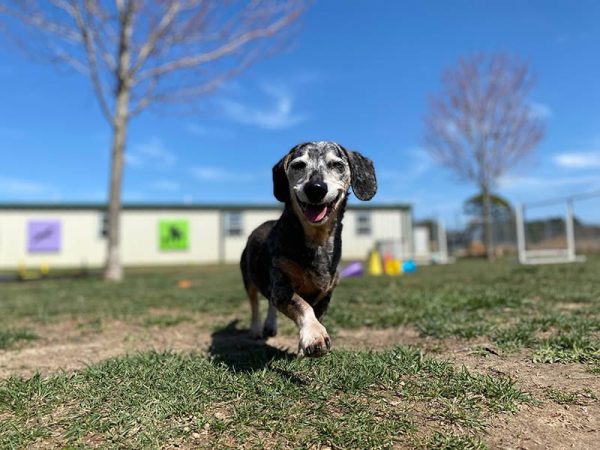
x=362, y=175
x=281, y=186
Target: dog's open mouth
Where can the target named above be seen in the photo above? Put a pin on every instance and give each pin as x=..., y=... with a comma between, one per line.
x=317, y=213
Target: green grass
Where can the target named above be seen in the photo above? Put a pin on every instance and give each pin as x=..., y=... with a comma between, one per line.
x=563, y=397
x=265, y=398
x=450, y=441
x=553, y=311
x=165, y=320
x=216, y=290
x=10, y=337
x=253, y=395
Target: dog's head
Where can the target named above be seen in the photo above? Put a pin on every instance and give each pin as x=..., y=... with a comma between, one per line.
x=315, y=178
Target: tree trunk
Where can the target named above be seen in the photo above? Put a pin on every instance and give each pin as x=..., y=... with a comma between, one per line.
x=487, y=224
x=113, y=270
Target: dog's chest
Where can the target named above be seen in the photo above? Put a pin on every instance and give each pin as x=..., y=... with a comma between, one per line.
x=312, y=282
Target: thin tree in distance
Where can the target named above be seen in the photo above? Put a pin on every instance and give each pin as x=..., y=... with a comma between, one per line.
x=483, y=123
x=139, y=53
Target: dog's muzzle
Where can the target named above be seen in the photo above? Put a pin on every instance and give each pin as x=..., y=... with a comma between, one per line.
x=318, y=213
x=315, y=192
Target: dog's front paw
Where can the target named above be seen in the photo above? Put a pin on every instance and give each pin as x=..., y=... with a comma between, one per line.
x=314, y=340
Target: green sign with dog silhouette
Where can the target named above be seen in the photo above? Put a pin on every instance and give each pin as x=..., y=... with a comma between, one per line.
x=173, y=235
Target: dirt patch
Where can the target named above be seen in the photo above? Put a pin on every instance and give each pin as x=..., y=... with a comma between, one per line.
x=70, y=345
x=543, y=424
x=547, y=427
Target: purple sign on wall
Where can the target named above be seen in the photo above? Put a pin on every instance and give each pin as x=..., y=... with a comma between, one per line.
x=43, y=236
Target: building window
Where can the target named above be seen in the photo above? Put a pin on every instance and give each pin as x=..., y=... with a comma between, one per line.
x=363, y=223
x=232, y=223
x=103, y=225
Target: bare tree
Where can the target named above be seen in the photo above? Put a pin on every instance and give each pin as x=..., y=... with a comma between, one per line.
x=483, y=124
x=138, y=53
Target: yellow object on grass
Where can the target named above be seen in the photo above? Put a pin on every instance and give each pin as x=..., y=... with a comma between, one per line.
x=375, y=267
x=44, y=268
x=393, y=267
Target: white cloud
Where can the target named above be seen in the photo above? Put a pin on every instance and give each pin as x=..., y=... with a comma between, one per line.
x=220, y=175
x=540, y=110
x=22, y=186
x=203, y=131
x=414, y=162
x=278, y=115
x=150, y=154
x=578, y=160
x=539, y=182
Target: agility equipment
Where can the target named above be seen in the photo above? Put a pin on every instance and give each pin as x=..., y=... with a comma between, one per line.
x=375, y=267
x=354, y=269
x=409, y=266
x=555, y=244
x=391, y=265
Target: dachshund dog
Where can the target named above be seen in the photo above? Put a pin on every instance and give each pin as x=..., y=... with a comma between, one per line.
x=293, y=261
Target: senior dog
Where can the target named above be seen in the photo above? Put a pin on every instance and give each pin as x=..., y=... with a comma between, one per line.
x=293, y=261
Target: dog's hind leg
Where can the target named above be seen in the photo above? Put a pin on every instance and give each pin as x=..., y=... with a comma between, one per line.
x=255, y=322
x=270, y=328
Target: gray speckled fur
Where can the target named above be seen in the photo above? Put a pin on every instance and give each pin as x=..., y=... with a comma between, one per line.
x=285, y=242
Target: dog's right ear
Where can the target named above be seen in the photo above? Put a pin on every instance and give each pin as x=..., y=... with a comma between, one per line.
x=281, y=186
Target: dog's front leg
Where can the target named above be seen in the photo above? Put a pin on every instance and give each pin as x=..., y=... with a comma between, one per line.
x=314, y=340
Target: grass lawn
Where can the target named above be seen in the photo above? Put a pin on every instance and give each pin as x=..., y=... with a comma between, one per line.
x=469, y=355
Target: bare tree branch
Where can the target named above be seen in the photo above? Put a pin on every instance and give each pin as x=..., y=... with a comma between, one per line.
x=225, y=49
x=482, y=124
x=100, y=31
x=87, y=37
x=160, y=30
x=137, y=53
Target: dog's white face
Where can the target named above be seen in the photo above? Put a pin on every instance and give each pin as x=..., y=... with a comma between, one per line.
x=319, y=179
x=315, y=178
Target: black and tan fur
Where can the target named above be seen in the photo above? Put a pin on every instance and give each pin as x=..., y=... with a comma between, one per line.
x=293, y=261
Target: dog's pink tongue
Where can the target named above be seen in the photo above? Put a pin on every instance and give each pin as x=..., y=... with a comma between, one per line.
x=315, y=213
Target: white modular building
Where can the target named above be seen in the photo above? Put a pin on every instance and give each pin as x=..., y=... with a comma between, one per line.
x=74, y=235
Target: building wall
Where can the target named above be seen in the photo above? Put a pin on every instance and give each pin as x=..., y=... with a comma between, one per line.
x=140, y=242
x=83, y=244
x=234, y=245
x=385, y=225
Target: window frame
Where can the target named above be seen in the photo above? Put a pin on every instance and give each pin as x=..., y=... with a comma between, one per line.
x=230, y=227
x=364, y=223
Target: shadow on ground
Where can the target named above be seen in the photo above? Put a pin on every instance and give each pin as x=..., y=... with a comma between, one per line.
x=233, y=347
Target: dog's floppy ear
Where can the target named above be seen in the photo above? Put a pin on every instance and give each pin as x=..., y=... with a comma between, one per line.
x=281, y=187
x=362, y=175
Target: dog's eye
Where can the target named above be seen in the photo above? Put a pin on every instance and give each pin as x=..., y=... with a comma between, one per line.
x=298, y=165
x=336, y=165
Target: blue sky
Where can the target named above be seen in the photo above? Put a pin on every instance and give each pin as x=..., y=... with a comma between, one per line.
x=359, y=73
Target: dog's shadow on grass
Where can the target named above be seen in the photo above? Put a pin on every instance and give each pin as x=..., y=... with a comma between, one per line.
x=233, y=347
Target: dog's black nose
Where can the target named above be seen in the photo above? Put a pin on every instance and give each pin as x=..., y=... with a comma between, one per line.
x=315, y=191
